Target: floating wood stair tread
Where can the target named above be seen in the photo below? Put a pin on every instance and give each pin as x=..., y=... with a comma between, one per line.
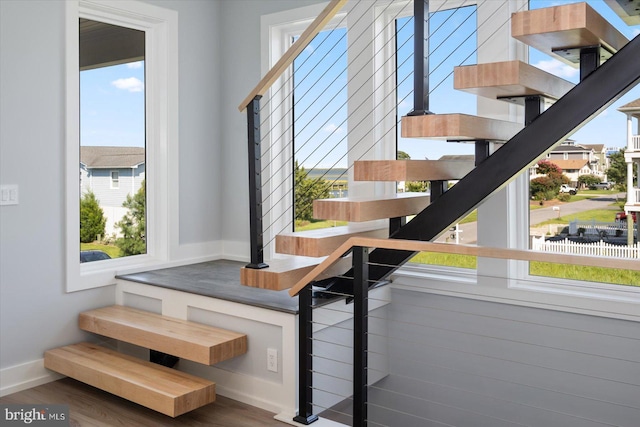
x=411, y=170
x=157, y=387
x=627, y=10
x=189, y=340
x=558, y=30
x=509, y=79
x=356, y=209
x=322, y=242
x=458, y=127
x=284, y=273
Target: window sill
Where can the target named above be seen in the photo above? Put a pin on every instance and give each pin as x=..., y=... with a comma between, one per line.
x=599, y=299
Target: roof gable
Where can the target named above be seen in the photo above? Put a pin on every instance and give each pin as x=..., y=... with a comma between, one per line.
x=112, y=157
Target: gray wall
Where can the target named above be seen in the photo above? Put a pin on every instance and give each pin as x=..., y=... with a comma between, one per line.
x=240, y=74
x=35, y=312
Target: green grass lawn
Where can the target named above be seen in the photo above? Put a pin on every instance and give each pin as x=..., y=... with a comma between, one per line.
x=113, y=251
x=315, y=225
x=601, y=215
x=545, y=269
x=585, y=273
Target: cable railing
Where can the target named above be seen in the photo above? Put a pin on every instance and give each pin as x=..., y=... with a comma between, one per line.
x=299, y=121
x=376, y=359
x=342, y=132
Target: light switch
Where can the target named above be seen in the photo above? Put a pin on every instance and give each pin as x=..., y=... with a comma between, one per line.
x=9, y=195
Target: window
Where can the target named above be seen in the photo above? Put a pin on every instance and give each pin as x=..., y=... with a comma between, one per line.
x=115, y=181
x=103, y=40
x=320, y=94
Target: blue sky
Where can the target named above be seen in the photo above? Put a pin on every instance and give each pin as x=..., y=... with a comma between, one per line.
x=112, y=106
x=608, y=128
x=112, y=98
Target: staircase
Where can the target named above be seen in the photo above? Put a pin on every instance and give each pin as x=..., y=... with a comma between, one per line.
x=573, y=33
x=153, y=385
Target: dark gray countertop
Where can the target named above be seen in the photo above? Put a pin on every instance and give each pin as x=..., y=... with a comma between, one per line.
x=218, y=279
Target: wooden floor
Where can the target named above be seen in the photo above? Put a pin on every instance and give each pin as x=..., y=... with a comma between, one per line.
x=89, y=406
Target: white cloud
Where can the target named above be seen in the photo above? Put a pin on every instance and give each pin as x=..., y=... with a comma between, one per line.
x=557, y=68
x=331, y=128
x=131, y=84
x=635, y=32
x=135, y=65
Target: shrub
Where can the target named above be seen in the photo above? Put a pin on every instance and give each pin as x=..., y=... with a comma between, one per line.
x=542, y=184
x=564, y=197
x=92, y=220
x=133, y=224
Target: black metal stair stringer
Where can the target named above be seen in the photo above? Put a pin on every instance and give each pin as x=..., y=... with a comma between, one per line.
x=591, y=96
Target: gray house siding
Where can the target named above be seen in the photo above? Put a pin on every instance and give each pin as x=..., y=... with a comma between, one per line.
x=99, y=181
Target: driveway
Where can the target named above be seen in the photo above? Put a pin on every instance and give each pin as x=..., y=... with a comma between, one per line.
x=470, y=230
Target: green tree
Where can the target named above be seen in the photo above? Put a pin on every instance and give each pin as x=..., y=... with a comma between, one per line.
x=306, y=190
x=92, y=220
x=403, y=156
x=133, y=224
x=545, y=167
x=589, y=180
x=617, y=172
x=549, y=184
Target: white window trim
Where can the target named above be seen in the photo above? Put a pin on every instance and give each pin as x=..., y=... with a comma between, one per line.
x=161, y=39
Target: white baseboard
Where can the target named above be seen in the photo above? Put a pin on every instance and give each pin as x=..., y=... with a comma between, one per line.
x=27, y=375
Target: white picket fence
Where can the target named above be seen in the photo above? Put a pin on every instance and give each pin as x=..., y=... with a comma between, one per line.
x=600, y=248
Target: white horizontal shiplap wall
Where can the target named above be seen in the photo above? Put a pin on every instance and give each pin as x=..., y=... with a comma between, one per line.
x=461, y=362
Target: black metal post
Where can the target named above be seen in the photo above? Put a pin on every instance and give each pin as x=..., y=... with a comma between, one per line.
x=360, y=334
x=437, y=189
x=482, y=151
x=420, y=58
x=589, y=60
x=305, y=358
x=533, y=107
x=396, y=224
x=255, y=185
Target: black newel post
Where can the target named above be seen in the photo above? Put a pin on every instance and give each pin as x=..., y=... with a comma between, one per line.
x=360, y=334
x=255, y=185
x=420, y=58
x=305, y=358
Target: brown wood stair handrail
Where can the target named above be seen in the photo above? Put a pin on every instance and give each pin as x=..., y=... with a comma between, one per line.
x=291, y=54
x=488, y=252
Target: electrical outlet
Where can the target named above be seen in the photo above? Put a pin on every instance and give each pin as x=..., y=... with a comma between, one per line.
x=272, y=360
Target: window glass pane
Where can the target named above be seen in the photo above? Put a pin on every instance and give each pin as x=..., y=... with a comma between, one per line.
x=112, y=141
x=320, y=126
x=579, y=194
x=452, y=42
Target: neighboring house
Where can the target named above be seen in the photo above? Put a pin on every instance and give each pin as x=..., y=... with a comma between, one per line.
x=600, y=153
x=632, y=154
x=112, y=173
x=576, y=160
